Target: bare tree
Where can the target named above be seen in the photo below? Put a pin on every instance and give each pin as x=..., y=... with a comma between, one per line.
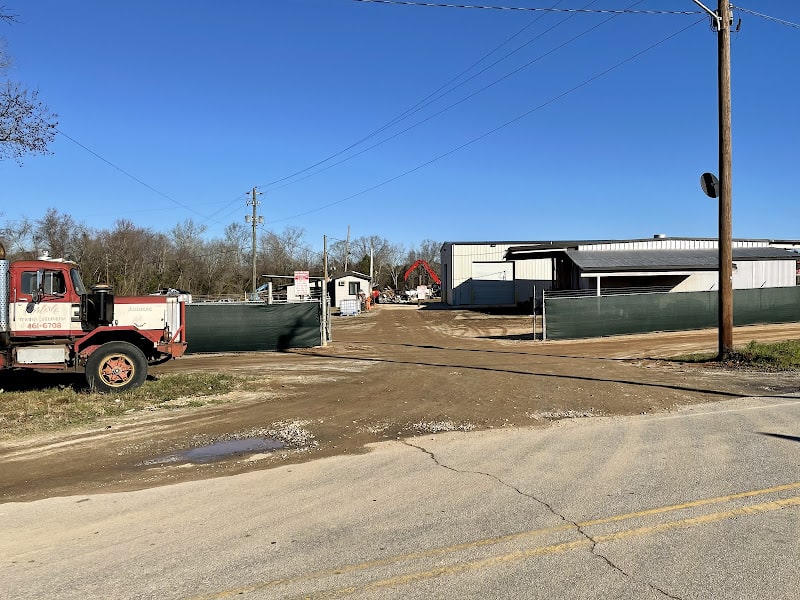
x=430, y=251
x=337, y=256
x=17, y=237
x=394, y=263
x=136, y=260
x=26, y=125
x=7, y=16
x=59, y=234
x=189, y=249
x=237, y=240
x=285, y=252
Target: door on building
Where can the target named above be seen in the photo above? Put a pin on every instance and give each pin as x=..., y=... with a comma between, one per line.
x=492, y=283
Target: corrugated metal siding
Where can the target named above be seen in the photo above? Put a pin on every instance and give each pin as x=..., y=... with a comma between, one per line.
x=540, y=268
x=460, y=268
x=532, y=276
x=764, y=274
x=458, y=258
x=458, y=261
x=446, y=260
x=669, y=244
x=705, y=281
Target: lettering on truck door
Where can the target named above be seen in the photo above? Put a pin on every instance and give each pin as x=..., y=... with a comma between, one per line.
x=53, y=311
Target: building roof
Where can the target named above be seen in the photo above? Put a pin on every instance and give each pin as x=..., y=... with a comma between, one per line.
x=543, y=244
x=601, y=261
x=351, y=274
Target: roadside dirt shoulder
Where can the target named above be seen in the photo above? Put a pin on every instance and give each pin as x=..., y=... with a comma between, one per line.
x=394, y=372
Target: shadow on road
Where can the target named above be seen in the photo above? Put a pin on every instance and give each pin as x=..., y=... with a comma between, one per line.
x=662, y=386
x=494, y=351
x=780, y=436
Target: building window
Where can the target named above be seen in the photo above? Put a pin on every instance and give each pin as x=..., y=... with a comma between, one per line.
x=355, y=288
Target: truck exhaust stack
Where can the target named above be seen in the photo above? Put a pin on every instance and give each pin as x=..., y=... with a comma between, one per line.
x=5, y=339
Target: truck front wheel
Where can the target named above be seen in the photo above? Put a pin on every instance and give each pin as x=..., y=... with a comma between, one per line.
x=116, y=367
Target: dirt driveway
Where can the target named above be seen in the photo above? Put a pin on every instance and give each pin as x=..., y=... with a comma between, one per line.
x=394, y=372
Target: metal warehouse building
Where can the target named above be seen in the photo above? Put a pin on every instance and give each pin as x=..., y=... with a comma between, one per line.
x=478, y=274
x=508, y=273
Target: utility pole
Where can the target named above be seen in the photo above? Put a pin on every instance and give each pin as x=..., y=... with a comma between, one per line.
x=324, y=290
x=725, y=183
x=347, y=249
x=371, y=267
x=255, y=220
x=722, y=23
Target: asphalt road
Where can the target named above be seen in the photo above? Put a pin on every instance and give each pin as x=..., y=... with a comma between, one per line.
x=702, y=502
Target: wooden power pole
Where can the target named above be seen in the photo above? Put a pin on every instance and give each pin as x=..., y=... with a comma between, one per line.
x=254, y=220
x=721, y=20
x=725, y=312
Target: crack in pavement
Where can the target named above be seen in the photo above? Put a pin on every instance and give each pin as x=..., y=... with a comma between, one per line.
x=593, y=548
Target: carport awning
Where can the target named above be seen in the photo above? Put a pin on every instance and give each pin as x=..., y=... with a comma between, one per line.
x=608, y=261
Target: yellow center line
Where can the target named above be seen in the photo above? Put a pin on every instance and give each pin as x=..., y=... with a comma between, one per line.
x=692, y=504
x=363, y=566
x=520, y=555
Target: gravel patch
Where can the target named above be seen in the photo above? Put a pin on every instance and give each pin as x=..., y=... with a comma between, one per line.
x=440, y=426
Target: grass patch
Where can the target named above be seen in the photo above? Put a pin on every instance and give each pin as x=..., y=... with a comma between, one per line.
x=699, y=357
x=27, y=411
x=777, y=356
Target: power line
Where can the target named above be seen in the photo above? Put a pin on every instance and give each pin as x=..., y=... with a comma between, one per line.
x=127, y=174
x=433, y=97
x=534, y=9
x=414, y=109
x=767, y=17
x=206, y=218
x=469, y=96
x=498, y=128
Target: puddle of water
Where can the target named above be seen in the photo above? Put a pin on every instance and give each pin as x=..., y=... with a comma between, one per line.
x=224, y=449
x=219, y=451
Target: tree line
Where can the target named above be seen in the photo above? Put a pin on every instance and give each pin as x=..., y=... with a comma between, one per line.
x=137, y=260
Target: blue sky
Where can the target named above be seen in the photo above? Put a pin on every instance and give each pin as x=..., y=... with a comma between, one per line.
x=199, y=101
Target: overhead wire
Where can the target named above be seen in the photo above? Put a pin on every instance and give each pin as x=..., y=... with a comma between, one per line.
x=767, y=17
x=430, y=99
x=127, y=173
x=408, y=112
x=534, y=9
x=413, y=109
x=498, y=128
x=469, y=96
x=204, y=217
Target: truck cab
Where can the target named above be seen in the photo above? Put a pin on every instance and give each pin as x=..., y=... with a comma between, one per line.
x=50, y=321
x=45, y=300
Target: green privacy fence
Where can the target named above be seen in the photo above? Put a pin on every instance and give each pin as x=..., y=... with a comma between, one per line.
x=595, y=316
x=224, y=327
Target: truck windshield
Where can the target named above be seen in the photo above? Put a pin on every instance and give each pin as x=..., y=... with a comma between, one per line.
x=77, y=283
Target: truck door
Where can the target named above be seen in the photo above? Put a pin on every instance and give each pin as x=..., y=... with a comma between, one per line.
x=43, y=303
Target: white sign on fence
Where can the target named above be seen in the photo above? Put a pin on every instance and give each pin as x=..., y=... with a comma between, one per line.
x=301, y=287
